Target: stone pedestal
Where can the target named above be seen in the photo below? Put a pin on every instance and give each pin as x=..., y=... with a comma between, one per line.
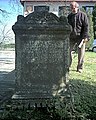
x=42, y=56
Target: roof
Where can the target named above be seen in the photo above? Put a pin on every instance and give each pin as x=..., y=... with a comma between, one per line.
x=58, y=0
x=22, y=1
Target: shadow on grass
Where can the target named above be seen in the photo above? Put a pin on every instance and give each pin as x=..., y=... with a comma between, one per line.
x=7, y=85
x=84, y=103
x=84, y=97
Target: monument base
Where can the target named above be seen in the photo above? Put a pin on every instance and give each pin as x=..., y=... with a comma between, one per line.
x=38, y=95
x=39, y=100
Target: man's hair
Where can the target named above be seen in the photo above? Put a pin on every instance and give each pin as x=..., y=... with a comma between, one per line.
x=74, y=3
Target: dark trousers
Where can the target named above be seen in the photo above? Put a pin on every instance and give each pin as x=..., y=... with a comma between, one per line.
x=80, y=52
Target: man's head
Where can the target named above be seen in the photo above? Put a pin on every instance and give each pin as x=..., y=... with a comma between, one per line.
x=74, y=7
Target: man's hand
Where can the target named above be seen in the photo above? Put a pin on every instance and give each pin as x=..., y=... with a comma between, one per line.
x=83, y=41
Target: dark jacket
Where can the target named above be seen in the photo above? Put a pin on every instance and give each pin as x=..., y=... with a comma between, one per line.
x=81, y=21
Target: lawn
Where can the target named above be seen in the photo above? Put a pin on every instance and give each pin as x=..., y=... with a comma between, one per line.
x=83, y=86
x=83, y=93
x=89, y=72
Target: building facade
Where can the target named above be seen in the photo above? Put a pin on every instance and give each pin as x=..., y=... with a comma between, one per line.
x=58, y=7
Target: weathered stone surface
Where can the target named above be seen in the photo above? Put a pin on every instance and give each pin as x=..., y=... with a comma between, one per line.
x=42, y=55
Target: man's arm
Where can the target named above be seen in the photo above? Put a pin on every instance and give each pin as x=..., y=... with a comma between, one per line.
x=85, y=26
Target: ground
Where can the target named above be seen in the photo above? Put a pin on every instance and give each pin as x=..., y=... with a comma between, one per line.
x=7, y=76
x=82, y=85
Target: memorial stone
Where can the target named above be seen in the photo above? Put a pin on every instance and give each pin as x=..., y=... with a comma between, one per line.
x=41, y=56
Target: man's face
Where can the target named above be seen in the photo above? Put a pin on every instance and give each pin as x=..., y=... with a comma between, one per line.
x=74, y=8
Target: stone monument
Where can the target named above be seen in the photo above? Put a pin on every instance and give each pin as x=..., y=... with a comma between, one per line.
x=42, y=56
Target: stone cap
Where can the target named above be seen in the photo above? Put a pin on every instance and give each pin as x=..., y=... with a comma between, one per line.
x=41, y=20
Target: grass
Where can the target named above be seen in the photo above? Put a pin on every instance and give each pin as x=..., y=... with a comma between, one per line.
x=83, y=86
x=7, y=46
x=83, y=89
x=89, y=68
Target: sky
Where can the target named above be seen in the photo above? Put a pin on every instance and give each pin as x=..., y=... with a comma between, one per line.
x=14, y=9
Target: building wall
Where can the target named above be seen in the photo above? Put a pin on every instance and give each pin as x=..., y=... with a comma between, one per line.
x=54, y=7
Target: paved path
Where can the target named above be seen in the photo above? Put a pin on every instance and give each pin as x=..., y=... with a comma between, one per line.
x=7, y=76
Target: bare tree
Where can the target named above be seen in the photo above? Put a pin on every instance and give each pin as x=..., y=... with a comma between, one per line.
x=4, y=13
x=15, y=5
x=6, y=34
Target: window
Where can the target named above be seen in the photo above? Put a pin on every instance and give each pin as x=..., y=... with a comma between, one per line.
x=41, y=8
x=88, y=8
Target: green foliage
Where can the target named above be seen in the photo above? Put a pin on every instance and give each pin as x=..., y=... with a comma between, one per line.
x=7, y=46
x=91, y=32
x=94, y=20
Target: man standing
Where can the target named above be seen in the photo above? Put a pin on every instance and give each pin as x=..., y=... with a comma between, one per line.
x=79, y=34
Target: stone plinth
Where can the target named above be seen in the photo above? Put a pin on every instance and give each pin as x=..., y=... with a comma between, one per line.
x=42, y=56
